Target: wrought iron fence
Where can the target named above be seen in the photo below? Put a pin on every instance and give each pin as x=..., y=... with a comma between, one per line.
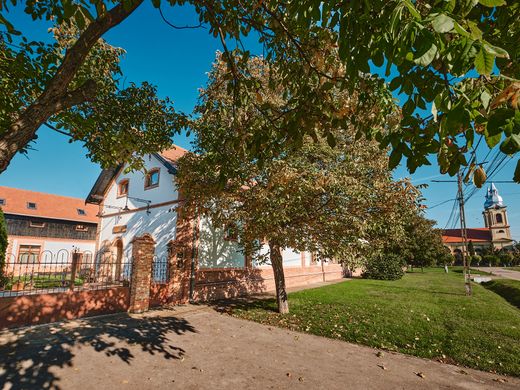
x=160, y=270
x=49, y=272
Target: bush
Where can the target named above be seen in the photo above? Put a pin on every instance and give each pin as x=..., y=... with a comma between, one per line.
x=388, y=266
x=491, y=260
x=506, y=259
x=474, y=260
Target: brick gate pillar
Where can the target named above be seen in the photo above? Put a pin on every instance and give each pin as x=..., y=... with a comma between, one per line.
x=143, y=250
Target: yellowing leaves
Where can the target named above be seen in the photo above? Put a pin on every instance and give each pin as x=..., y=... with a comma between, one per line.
x=509, y=95
x=479, y=177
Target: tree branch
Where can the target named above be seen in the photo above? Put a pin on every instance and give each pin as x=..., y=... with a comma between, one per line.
x=200, y=25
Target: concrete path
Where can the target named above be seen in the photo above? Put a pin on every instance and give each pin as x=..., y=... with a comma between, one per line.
x=195, y=347
x=498, y=271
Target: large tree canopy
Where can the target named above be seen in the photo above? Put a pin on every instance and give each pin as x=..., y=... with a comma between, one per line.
x=332, y=201
x=458, y=59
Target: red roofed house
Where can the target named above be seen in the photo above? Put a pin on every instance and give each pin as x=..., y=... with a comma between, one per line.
x=496, y=233
x=39, y=223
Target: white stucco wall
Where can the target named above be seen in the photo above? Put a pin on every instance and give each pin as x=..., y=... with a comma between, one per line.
x=291, y=258
x=214, y=251
x=160, y=222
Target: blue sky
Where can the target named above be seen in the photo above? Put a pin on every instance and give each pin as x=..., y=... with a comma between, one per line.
x=177, y=61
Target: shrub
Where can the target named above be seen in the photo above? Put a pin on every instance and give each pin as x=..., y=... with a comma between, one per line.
x=384, y=266
x=475, y=260
x=491, y=260
x=506, y=258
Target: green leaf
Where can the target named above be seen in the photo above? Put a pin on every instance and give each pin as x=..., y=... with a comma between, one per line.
x=484, y=62
x=412, y=9
x=485, y=98
x=457, y=119
x=442, y=23
x=495, y=50
x=492, y=3
x=516, y=177
x=428, y=57
x=395, y=83
x=395, y=158
x=331, y=140
x=460, y=30
x=511, y=144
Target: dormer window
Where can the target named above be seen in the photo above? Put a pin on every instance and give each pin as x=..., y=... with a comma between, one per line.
x=2, y=202
x=31, y=205
x=122, y=188
x=81, y=212
x=151, y=180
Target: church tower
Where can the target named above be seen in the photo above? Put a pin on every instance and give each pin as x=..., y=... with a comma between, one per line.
x=495, y=218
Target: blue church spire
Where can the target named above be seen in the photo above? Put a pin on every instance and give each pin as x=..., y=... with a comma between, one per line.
x=492, y=198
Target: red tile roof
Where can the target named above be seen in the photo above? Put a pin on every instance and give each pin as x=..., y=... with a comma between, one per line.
x=473, y=234
x=174, y=153
x=47, y=205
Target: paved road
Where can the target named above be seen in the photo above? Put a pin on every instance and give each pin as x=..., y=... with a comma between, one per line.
x=197, y=348
x=505, y=273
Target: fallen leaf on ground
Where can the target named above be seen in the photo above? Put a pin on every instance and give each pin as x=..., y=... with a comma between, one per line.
x=380, y=354
x=420, y=374
x=300, y=379
x=382, y=366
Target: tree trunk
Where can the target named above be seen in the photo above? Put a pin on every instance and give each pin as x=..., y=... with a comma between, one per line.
x=56, y=97
x=279, y=277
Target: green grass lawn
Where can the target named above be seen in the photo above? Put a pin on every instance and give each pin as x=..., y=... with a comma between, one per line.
x=423, y=314
x=47, y=281
x=506, y=288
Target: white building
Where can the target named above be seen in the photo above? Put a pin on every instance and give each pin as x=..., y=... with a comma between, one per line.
x=136, y=203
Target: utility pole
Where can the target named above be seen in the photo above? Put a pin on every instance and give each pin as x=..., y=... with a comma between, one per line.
x=464, y=236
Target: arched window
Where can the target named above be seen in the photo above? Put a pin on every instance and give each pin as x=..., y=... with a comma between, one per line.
x=499, y=218
x=151, y=179
x=501, y=231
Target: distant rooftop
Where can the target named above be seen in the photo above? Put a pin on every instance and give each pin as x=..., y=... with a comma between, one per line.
x=39, y=204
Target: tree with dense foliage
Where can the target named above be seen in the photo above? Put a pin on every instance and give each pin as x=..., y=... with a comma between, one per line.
x=422, y=246
x=314, y=198
x=471, y=248
x=3, y=248
x=384, y=266
x=429, y=46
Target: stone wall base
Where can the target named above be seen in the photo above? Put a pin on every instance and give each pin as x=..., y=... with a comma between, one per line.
x=221, y=283
x=43, y=308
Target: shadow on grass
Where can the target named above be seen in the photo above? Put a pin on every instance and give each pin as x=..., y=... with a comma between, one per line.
x=227, y=306
x=507, y=289
x=29, y=356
